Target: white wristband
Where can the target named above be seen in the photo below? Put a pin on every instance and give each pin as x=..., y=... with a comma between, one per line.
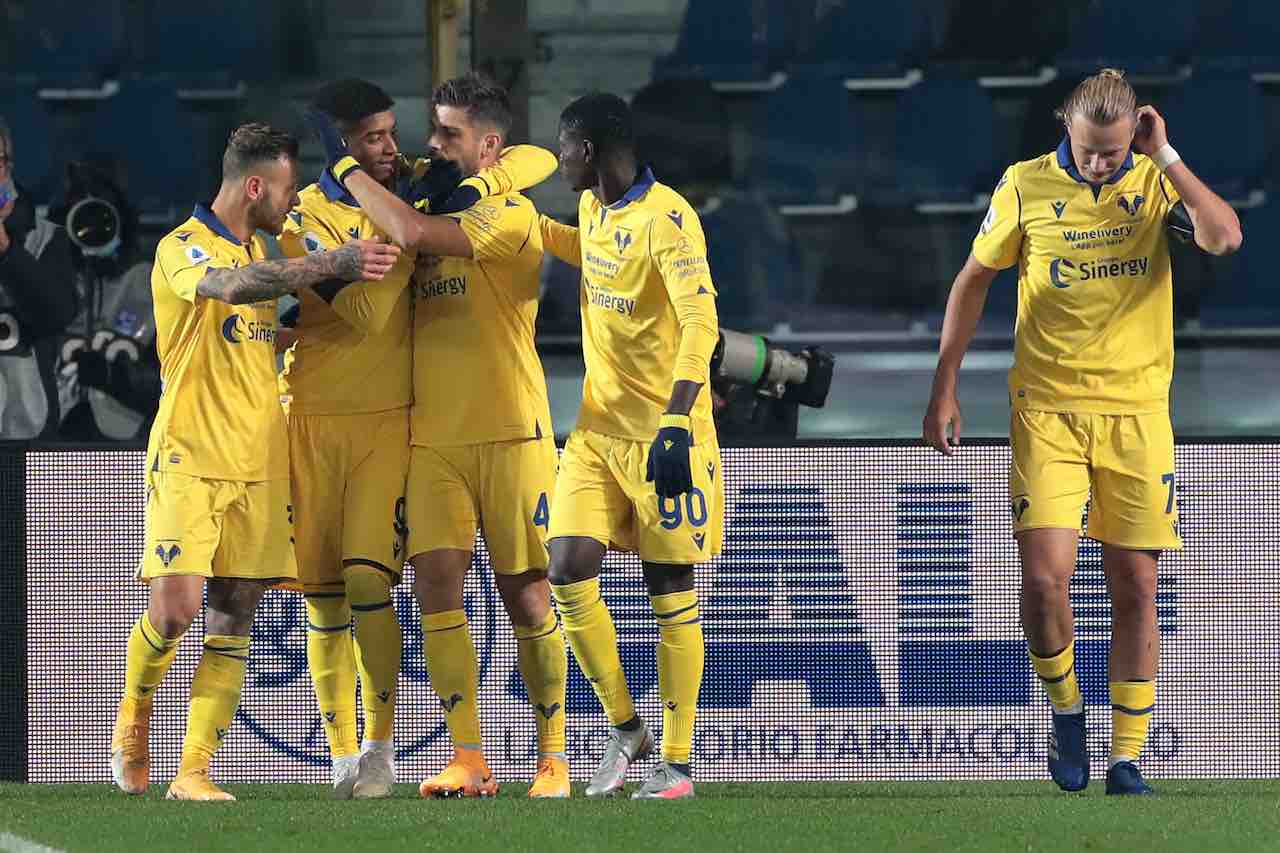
x=1165, y=157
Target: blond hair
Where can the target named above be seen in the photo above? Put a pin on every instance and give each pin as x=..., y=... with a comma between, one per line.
x=1102, y=99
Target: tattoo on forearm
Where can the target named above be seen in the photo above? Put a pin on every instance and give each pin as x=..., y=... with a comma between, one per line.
x=265, y=280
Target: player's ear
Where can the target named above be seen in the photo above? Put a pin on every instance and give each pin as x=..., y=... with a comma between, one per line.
x=253, y=187
x=588, y=151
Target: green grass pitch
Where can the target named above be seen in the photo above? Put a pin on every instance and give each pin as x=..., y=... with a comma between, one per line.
x=1197, y=816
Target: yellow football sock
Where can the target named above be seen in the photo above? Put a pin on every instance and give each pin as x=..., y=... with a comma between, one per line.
x=215, y=695
x=1131, y=705
x=147, y=660
x=680, y=660
x=594, y=639
x=333, y=669
x=378, y=644
x=1058, y=675
x=454, y=673
x=544, y=667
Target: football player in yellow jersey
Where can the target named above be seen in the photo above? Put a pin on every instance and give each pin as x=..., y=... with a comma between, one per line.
x=641, y=471
x=483, y=453
x=349, y=386
x=219, y=515
x=1089, y=390
x=347, y=383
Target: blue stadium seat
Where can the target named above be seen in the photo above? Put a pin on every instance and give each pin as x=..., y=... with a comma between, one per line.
x=63, y=43
x=752, y=260
x=1239, y=35
x=35, y=137
x=149, y=132
x=1152, y=37
x=871, y=40
x=1244, y=293
x=727, y=48
x=803, y=143
x=978, y=38
x=198, y=51
x=1217, y=121
x=935, y=149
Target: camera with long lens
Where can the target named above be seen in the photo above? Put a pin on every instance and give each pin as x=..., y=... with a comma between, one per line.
x=759, y=387
x=95, y=227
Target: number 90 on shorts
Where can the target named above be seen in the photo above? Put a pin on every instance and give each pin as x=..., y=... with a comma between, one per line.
x=602, y=494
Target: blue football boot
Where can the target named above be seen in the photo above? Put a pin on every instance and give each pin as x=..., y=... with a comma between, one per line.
x=1069, y=752
x=1123, y=778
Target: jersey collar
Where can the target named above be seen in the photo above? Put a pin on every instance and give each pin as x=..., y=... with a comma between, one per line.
x=1068, y=163
x=335, y=191
x=644, y=180
x=206, y=217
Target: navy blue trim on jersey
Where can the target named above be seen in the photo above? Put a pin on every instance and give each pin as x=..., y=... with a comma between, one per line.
x=644, y=182
x=204, y=214
x=335, y=191
x=1068, y=164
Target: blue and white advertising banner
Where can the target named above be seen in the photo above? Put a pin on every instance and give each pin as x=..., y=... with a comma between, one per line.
x=862, y=623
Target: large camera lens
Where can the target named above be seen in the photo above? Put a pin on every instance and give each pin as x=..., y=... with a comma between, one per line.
x=93, y=225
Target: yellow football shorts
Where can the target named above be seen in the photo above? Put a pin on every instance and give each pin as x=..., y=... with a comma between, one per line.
x=501, y=488
x=348, y=492
x=1124, y=461
x=602, y=494
x=218, y=528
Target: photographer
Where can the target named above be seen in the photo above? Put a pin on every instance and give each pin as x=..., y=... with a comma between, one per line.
x=108, y=373
x=37, y=300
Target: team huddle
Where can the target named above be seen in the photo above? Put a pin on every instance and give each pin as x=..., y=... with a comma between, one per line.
x=412, y=413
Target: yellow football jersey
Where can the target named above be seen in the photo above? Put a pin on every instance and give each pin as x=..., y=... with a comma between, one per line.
x=220, y=414
x=476, y=374
x=1095, y=289
x=352, y=355
x=648, y=308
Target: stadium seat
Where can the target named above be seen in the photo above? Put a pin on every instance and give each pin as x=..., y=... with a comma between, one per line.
x=804, y=143
x=63, y=43
x=1239, y=35
x=147, y=130
x=1144, y=37
x=1200, y=111
x=736, y=50
x=177, y=43
x=966, y=43
x=34, y=130
x=934, y=149
x=1242, y=292
x=861, y=40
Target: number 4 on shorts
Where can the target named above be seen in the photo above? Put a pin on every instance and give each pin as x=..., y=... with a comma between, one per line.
x=542, y=514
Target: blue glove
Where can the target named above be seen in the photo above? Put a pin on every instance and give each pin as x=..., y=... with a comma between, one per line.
x=438, y=183
x=668, y=465
x=336, y=155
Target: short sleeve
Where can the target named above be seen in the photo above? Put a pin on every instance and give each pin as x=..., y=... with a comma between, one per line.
x=303, y=235
x=1000, y=235
x=184, y=258
x=1169, y=193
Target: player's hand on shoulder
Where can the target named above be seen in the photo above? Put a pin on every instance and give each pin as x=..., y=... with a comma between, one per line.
x=1151, y=134
x=430, y=191
x=943, y=413
x=365, y=260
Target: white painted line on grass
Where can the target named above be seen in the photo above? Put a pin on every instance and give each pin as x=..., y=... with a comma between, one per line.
x=10, y=843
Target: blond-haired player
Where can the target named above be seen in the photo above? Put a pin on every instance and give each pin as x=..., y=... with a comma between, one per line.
x=1093, y=359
